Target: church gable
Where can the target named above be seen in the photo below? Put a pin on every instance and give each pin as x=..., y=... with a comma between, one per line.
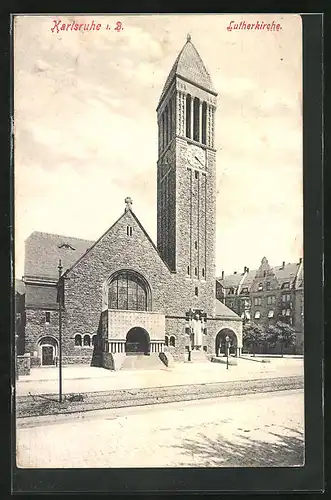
x=124, y=245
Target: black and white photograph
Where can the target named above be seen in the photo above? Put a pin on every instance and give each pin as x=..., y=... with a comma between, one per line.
x=159, y=267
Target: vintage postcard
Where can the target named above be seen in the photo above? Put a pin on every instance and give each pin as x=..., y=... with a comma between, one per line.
x=158, y=241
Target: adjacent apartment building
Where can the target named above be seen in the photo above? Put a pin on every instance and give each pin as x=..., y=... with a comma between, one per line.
x=267, y=294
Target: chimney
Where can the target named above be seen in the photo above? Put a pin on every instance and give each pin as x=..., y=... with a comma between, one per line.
x=283, y=263
x=300, y=260
x=222, y=275
x=247, y=269
x=234, y=272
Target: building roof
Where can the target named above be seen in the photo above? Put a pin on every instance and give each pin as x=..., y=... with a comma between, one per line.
x=190, y=66
x=224, y=311
x=230, y=281
x=286, y=273
x=249, y=278
x=43, y=251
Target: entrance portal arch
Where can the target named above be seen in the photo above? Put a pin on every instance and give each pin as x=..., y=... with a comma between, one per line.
x=137, y=341
x=47, y=350
x=220, y=342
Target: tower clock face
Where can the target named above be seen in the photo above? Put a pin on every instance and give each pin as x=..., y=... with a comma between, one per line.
x=195, y=156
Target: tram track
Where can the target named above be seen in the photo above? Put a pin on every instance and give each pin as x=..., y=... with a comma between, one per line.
x=47, y=404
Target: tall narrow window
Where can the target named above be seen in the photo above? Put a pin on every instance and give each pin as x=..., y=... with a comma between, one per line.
x=196, y=271
x=196, y=245
x=196, y=174
x=166, y=125
x=47, y=317
x=170, y=119
x=188, y=115
x=87, y=341
x=196, y=119
x=129, y=230
x=78, y=340
x=204, y=123
x=196, y=292
x=203, y=272
x=163, y=132
x=188, y=270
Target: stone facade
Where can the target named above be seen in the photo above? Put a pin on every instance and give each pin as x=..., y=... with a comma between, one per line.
x=23, y=364
x=170, y=279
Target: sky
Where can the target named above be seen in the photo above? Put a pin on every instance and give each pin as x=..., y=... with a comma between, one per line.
x=85, y=128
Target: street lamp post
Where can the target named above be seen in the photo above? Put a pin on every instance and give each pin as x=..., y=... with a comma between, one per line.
x=60, y=329
x=227, y=339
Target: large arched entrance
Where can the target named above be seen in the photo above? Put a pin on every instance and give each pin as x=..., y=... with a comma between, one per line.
x=220, y=342
x=137, y=341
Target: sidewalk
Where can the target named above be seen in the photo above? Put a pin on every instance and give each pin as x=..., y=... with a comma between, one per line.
x=77, y=379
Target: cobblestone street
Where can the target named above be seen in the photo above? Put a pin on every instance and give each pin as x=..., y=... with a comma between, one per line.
x=251, y=430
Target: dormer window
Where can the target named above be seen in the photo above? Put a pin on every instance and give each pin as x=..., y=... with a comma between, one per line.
x=268, y=285
x=286, y=285
x=66, y=245
x=260, y=287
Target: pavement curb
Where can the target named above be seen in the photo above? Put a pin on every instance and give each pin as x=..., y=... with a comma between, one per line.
x=28, y=406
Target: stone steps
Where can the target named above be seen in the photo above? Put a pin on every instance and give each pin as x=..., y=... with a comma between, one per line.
x=142, y=362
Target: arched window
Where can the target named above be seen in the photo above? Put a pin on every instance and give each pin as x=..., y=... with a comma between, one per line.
x=172, y=341
x=196, y=119
x=204, y=123
x=87, y=341
x=78, y=340
x=166, y=340
x=128, y=291
x=188, y=115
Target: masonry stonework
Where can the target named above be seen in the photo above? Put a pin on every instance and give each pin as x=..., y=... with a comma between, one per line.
x=162, y=283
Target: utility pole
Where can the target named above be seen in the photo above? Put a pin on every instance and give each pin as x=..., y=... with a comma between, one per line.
x=60, y=291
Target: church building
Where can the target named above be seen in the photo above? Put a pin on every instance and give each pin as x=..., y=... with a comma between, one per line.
x=123, y=294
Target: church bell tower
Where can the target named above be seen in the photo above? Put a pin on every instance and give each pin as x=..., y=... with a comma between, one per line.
x=186, y=169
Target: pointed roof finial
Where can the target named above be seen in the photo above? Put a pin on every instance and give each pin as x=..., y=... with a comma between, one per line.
x=188, y=37
x=128, y=202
